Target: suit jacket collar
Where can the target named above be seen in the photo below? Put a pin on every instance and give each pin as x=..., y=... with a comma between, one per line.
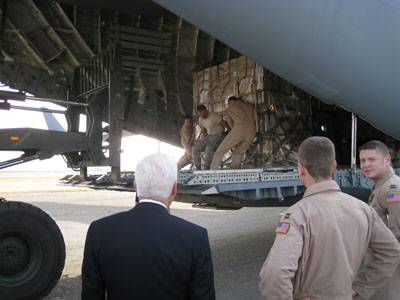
x=151, y=206
x=154, y=201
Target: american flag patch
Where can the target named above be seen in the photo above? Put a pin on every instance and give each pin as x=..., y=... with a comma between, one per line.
x=282, y=228
x=393, y=197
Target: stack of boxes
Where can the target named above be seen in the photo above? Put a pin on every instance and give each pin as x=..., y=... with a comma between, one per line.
x=240, y=77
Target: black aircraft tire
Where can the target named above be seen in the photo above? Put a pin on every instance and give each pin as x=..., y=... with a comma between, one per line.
x=32, y=252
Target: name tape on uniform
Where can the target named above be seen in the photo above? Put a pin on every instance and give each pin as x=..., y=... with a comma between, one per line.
x=283, y=228
x=393, y=197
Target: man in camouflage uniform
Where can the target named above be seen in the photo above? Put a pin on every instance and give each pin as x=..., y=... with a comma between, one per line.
x=375, y=163
x=212, y=127
x=187, y=140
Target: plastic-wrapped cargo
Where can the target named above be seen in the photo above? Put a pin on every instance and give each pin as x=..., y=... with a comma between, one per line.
x=238, y=77
x=281, y=115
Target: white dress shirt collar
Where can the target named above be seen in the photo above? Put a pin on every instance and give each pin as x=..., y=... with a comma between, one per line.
x=153, y=201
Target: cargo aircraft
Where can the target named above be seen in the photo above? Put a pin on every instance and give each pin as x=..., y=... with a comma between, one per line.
x=310, y=67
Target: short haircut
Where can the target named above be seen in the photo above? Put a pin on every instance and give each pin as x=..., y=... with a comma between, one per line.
x=187, y=117
x=375, y=145
x=155, y=176
x=201, y=107
x=317, y=155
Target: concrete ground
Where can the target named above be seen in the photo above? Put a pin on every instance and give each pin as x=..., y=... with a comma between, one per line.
x=240, y=240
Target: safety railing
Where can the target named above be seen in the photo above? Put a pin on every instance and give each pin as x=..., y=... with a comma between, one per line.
x=94, y=74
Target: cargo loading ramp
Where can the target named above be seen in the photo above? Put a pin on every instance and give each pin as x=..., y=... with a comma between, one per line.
x=279, y=186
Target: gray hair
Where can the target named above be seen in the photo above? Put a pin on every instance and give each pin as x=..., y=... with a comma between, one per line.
x=155, y=176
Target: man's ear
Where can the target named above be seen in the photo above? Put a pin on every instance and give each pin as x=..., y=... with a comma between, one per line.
x=302, y=169
x=387, y=159
x=174, y=189
x=334, y=167
x=134, y=185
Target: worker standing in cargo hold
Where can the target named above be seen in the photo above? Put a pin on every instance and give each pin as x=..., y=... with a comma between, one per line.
x=212, y=127
x=375, y=162
x=187, y=140
x=321, y=240
x=241, y=118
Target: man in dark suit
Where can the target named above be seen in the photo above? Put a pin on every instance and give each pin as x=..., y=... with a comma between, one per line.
x=146, y=253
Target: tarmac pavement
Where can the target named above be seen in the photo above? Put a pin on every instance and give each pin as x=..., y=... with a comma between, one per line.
x=240, y=239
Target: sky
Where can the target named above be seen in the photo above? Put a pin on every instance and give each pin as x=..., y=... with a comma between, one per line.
x=134, y=147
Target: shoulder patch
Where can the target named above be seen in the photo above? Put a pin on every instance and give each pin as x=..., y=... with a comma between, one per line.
x=283, y=228
x=393, y=186
x=392, y=197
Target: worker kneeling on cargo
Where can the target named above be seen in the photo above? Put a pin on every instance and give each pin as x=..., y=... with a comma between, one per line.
x=212, y=127
x=240, y=116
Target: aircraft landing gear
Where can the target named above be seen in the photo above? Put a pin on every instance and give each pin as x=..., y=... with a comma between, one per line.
x=32, y=251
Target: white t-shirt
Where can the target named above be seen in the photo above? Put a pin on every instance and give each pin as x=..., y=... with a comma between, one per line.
x=211, y=124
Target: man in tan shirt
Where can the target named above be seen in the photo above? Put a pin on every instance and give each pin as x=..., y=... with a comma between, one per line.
x=322, y=239
x=375, y=163
x=187, y=140
x=241, y=119
x=212, y=127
